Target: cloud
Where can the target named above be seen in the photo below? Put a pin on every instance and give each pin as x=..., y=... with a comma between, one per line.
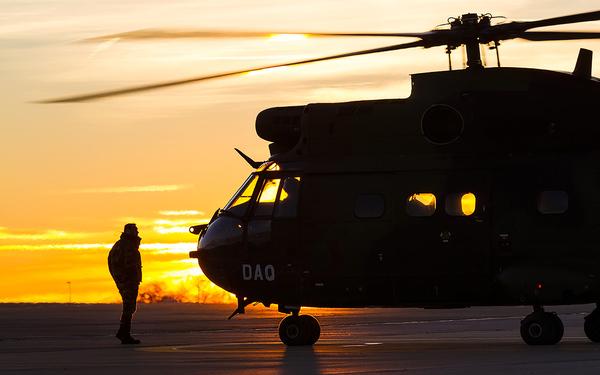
x=157, y=248
x=55, y=247
x=180, y=213
x=130, y=189
x=168, y=226
x=103, y=46
x=49, y=234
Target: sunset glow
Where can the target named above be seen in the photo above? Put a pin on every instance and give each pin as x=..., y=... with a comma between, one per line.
x=73, y=174
x=55, y=266
x=287, y=37
x=128, y=189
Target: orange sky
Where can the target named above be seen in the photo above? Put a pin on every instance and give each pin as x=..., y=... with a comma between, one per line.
x=74, y=174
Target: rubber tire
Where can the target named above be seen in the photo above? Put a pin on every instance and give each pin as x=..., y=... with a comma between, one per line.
x=538, y=329
x=294, y=331
x=315, y=328
x=559, y=328
x=591, y=326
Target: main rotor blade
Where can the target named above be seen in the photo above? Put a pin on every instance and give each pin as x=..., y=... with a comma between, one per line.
x=106, y=94
x=540, y=36
x=519, y=29
x=564, y=20
x=150, y=34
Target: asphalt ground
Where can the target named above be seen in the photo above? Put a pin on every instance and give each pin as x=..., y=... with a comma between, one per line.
x=182, y=338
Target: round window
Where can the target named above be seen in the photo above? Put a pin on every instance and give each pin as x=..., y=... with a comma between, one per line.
x=441, y=124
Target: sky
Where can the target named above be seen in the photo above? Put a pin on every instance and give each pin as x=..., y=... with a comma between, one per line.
x=73, y=174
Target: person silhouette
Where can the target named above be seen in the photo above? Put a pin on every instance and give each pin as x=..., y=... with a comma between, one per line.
x=125, y=266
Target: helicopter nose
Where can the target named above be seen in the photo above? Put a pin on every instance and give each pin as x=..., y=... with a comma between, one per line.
x=219, y=250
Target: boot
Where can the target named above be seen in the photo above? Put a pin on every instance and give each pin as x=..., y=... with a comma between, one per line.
x=124, y=333
x=130, y=340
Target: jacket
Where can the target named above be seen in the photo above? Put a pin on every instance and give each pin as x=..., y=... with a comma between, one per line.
x=125, y=261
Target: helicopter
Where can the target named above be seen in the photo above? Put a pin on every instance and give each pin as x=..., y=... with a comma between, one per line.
x=479, y=189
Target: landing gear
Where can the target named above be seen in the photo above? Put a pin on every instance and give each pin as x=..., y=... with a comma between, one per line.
x=591, y=326
x=296, y=330
x=542, y=328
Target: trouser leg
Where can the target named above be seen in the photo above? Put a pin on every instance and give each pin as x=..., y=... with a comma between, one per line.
x=129, y=294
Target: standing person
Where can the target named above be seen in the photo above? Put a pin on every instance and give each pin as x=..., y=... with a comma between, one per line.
x=125, y=266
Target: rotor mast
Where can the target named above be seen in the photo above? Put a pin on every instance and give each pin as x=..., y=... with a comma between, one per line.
x=469, y=26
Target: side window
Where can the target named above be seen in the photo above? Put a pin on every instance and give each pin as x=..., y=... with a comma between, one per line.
x=460, y=204
x=369, y=206
x=287, y=204
x=420, y=204
x=553, y=202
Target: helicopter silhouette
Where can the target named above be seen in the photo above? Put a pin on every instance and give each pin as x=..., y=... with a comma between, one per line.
x=479, y=189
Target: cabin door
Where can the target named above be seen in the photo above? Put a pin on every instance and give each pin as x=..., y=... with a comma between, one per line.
x=444, y=254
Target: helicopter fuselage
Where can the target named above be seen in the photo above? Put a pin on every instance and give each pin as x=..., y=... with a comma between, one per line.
x=481, y=188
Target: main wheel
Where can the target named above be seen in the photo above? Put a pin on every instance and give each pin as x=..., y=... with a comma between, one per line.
x=294, y=330
x=315, y=328
x=591, y=326
x=559, y=328
x=539, y=328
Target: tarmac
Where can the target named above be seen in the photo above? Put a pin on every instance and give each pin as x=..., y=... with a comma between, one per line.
x=182, y=338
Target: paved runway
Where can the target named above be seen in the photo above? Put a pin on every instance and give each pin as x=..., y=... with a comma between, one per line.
x=198, y=339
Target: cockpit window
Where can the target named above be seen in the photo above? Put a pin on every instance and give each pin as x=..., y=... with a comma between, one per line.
x=287, y=206
x=277, y=196
x=241, y=200
x=269, y=166
x=267, y=197
x=273, y=167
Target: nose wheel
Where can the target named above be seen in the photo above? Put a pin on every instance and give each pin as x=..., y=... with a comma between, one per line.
x=297, y=330
x=542, y=328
